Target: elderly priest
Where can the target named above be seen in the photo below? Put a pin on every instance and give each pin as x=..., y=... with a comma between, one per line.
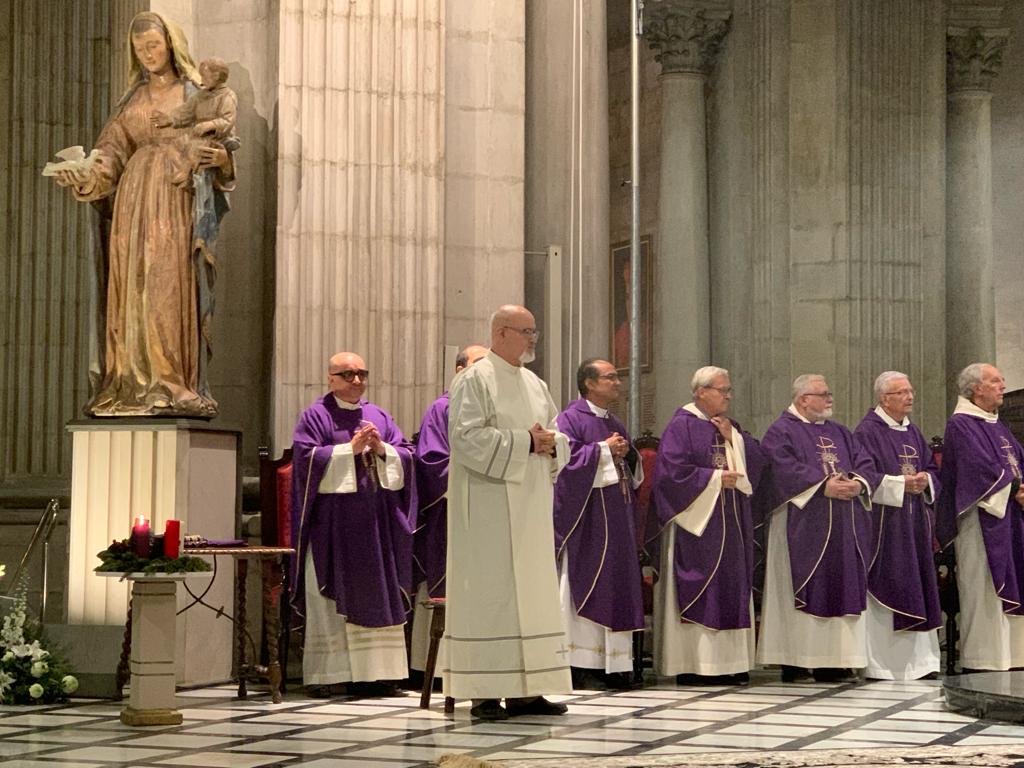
x=903, y=613
x=706, y=470
x=815, y=592
x=980, y=507
x=595, y=533
x=353, y=508
x=504, y=630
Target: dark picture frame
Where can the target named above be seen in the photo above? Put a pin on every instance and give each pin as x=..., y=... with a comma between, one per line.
x=619, y=311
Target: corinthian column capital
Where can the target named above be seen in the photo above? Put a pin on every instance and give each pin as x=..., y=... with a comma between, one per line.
x=974, y=56
x=687, y=36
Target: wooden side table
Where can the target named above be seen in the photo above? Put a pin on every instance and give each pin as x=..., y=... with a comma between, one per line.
x=273, y=587
x=153, y=622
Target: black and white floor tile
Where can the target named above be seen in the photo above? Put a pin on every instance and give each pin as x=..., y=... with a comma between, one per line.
x=224, y=732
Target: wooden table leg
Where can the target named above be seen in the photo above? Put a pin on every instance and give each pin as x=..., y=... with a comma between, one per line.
x=122, y=674
x=272, y=582
x=241, y=667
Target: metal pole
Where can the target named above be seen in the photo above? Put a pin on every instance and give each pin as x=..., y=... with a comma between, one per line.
x=636, y=26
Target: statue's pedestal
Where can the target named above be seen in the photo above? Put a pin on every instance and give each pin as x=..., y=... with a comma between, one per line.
x=163, y=469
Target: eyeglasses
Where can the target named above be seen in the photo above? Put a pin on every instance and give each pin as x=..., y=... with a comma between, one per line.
x=826, y=395
x=350, y=376
x=900, y=393
x=529, y=333
x=610, y=376
x=722, y=390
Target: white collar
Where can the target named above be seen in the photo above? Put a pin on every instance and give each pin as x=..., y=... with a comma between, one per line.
x=597, y=410
x=792, y=409
x=347, y=406
x=893, y=424
x=692, y=408
x=963, y=405
x=502, y=363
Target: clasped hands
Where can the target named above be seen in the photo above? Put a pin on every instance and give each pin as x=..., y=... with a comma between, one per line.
x=367, y=438
x=842, y=487
x=543, y=440
x=915, y=484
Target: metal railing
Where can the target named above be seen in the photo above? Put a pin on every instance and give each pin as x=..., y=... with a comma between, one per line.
x=40, y=538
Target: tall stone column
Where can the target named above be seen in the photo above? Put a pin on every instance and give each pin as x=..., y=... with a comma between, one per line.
x=973, y=58
x=688, y=39
x=567, y=177
x=360, y=206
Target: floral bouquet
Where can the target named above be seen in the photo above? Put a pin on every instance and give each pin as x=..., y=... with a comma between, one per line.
x=29, y=674
x=120, y=558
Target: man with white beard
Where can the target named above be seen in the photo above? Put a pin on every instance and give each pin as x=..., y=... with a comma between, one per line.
x=504, y=632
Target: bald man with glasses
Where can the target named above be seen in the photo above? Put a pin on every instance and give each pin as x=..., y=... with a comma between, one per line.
x=819, y=532
x=353, y=514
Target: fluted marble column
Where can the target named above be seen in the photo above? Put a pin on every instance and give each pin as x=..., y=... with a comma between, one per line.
x=567, y=177
x=360, y=201
x=973, y=58
x=688, y=40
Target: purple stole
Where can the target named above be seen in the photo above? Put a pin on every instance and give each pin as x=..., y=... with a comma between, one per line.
x=597, y=526
x=901, y=571
x=430, y=544
x=361, y=542
x=829, y=538
x=713, y=572
x=980, y=458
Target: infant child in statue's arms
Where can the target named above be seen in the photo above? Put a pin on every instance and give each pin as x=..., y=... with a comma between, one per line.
x=210, y=112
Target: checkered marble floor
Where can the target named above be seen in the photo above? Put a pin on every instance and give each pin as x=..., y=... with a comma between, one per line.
x=225, y=732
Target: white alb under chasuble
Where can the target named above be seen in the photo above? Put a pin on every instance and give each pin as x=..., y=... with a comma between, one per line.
x=789, y=636
x=335, y=651
x=684, y=647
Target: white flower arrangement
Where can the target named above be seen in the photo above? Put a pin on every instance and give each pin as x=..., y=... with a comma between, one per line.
x=29, y=673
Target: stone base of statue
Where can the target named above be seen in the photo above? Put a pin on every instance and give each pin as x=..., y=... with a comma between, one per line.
x=162, y=469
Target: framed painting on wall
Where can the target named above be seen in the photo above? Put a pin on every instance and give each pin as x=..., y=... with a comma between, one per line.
x=619, y=298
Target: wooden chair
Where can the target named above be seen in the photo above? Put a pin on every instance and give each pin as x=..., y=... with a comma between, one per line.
x=275, y=531
x=437, y=618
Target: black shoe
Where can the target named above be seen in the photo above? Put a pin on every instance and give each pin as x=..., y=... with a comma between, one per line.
x=740, y=678
x=377, y=689
x=326, y=691
x=618, y=681
x=414, y=682
x=973, y=671
x=587, y=680
x=535, y=706
x=489, y=709
x=688, y=678
x=792, y=674
x=835, y=675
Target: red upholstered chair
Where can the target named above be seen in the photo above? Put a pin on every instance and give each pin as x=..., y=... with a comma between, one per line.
x=646, y=525
x=275, y=531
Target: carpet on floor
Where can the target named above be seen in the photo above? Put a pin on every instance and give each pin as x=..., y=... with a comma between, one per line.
x=988, y=756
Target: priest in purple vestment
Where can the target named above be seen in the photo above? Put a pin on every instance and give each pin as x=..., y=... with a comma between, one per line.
x=903, y=612
x=819, y=533
x=353, y=513
x=430, y=540
x=595, y=533
x=706, y=471
x=980, y=508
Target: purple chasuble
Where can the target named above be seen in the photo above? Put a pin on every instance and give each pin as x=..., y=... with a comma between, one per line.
x=829, y=538
x=901, y=569
x=980, y=458
x=430, y=544
x=361, y=542
x=597, y=526
x=713, y=571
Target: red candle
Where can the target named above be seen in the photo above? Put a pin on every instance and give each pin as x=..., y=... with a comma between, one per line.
x=172, y=538
x=140, y=536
